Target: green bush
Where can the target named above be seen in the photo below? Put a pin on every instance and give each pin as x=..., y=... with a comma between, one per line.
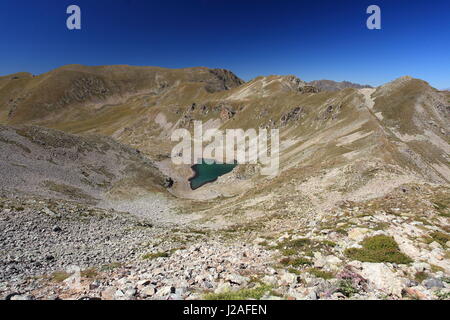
x=321, y=274
x=346, y=288
x=378, y=249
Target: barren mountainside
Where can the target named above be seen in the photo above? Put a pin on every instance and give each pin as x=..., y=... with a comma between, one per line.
x=49, y=163
x=330, y=85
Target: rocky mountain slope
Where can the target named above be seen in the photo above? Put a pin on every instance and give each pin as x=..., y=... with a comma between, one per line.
x=330, y=85
x=43, y=162
x=358, y=210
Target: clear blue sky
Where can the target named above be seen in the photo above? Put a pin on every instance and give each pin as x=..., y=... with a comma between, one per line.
x=318, y=39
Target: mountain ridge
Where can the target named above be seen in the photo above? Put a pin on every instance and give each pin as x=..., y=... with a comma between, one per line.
x=330, y=85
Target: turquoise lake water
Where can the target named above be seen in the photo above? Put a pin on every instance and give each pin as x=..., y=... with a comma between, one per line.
x=205, y=173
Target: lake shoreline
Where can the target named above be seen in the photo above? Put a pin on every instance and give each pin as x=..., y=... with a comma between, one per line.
x=196, y=168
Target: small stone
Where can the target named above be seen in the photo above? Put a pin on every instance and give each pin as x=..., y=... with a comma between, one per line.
x=49, y=257
x=164, y=291
x=271, y=280
x=356, y=264
x=130, y=292
x=56, y=229
x=148, y=291
x=223, y=287
x=119, y=294
x=272, y=298
x=22, y=297
x=421, y=266
x=49, y=212
x=435, y=245
x=333, y=260
x=433, y=283
x=94, y=285
x=89, y=298
x=289, y=278
x=412, y=292
x=237, y=279
x=312, y=295
x=73, y=269
x=109, y=293
x=143, y=283
x=411, y=283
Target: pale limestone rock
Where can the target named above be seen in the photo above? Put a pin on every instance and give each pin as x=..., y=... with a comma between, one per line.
x=288, y=278
x=356, y=264
x=148, y=291
x=421, y=266
x=271, y=280
x=164, y=291
x=358, y=234
x=409, y=249
x=382, y=277
x=435, y=245
x=238, y=279
x=330, y=261
x=108, y=293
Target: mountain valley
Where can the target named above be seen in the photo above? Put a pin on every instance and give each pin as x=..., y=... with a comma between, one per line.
x=92, y=205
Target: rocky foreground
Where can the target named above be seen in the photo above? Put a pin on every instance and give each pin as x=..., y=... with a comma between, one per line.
x=394, y=247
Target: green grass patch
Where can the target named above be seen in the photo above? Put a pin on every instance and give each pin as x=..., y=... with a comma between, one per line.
x=288, y=252
x=298, y=243
x=243, y=294
x=342, y=231
x=435, y=268
x=89, y=273
x=440, y=237
x=421, y=276
x=328, y=243
x=59, y=276
x=442, y=206
x=320, y=273
x=294, y=271
x=305, y=246
x=296, y=262
x=378, y=249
